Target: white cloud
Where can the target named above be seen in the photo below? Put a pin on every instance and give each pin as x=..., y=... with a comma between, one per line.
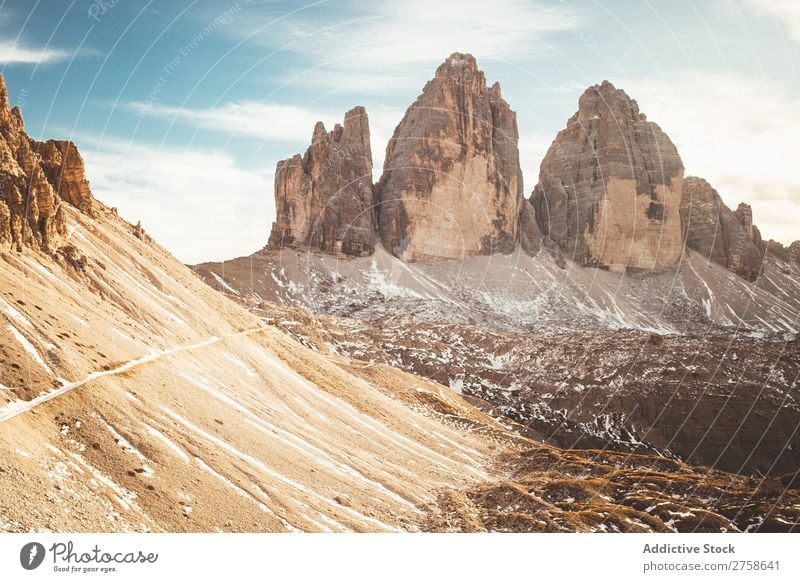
x=13, y=53
x=268, y=121
x=532, y=149
x=379, y=41
x=198, y=204
x=737, y=132
x=283, y=123
x=786, y=11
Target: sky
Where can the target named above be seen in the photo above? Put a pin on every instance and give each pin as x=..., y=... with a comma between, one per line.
x=181, y=108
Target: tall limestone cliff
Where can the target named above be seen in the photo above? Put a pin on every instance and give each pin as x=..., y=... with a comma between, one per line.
x=715, y=231
x=36, y=178
x=324, y=200
x=610, y=186
x=452, y=186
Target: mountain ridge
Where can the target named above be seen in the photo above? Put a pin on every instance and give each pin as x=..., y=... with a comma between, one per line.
x=134, y=397
x=619, y=203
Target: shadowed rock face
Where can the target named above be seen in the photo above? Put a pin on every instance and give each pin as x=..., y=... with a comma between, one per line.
x=36, y=178
x=788, y=254
x=452, y=185
x=324, y=200
x=609, y=187
x=715, y=231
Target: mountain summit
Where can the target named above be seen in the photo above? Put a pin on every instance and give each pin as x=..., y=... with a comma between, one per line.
x=324, y=200
x=452, y=185
x=36, y=180
x=609, y=190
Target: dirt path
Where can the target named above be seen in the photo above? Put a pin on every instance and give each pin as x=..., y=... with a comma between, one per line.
x=18, y=407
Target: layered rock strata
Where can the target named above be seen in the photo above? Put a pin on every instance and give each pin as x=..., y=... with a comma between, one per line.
x=36, y=178
x=324, y=200
x=452, y=186
x=729, y=238
x=610, y=186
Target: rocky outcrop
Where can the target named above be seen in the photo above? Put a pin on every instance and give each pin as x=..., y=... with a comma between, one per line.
x=530, y=237
x=715, y=231
x=787, y=254
x=451, y=186
x=35, y=180
x=610, y=185
x=324, y=200
x=64, y=167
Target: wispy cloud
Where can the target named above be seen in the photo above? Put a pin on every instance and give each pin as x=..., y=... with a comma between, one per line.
x=275, y=122
x=390, y=40
x=15, y=53
x=738, y=133
x=268, y=121
x=786, y=11
x=200, y=205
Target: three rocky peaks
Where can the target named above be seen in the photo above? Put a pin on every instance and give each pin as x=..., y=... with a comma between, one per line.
x=611, y=191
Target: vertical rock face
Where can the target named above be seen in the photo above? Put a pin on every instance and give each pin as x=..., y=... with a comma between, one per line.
x=794, y=252
x=35, y=178
x=726, y=237
x=452, y=186
x=4, y=104
x=610, y=185
x=325, y=200
x=63, y=165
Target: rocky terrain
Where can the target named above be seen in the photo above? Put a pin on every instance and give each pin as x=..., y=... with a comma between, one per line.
x=726, y=237
x=36, y=179
x=133, y=397
x=593, y=491
x=631, y=310
x=327, y=384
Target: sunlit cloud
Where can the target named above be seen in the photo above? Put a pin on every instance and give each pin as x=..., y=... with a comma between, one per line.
x=200, y=205
x=15, y=53
x=784, y=11
x=736, y=132
x=270, y=122
x=380, y=45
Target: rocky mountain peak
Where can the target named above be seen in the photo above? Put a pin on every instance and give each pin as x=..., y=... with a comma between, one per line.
x=324, y=200
x=609, y=187
x=452, y=186
x=36, y=179
x=10, y=117
x=460, y=69
x=605, y=100
x=744, y=212
x=710, y=228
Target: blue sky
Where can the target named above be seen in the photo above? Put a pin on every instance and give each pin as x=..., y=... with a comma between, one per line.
x=181, y=108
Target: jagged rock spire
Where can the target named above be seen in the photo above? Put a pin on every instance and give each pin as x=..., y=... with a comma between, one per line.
x=452, y=186
x=36, y=178
x=324, y=200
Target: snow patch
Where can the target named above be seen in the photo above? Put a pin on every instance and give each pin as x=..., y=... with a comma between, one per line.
x=223, y=283
x=28, y=347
